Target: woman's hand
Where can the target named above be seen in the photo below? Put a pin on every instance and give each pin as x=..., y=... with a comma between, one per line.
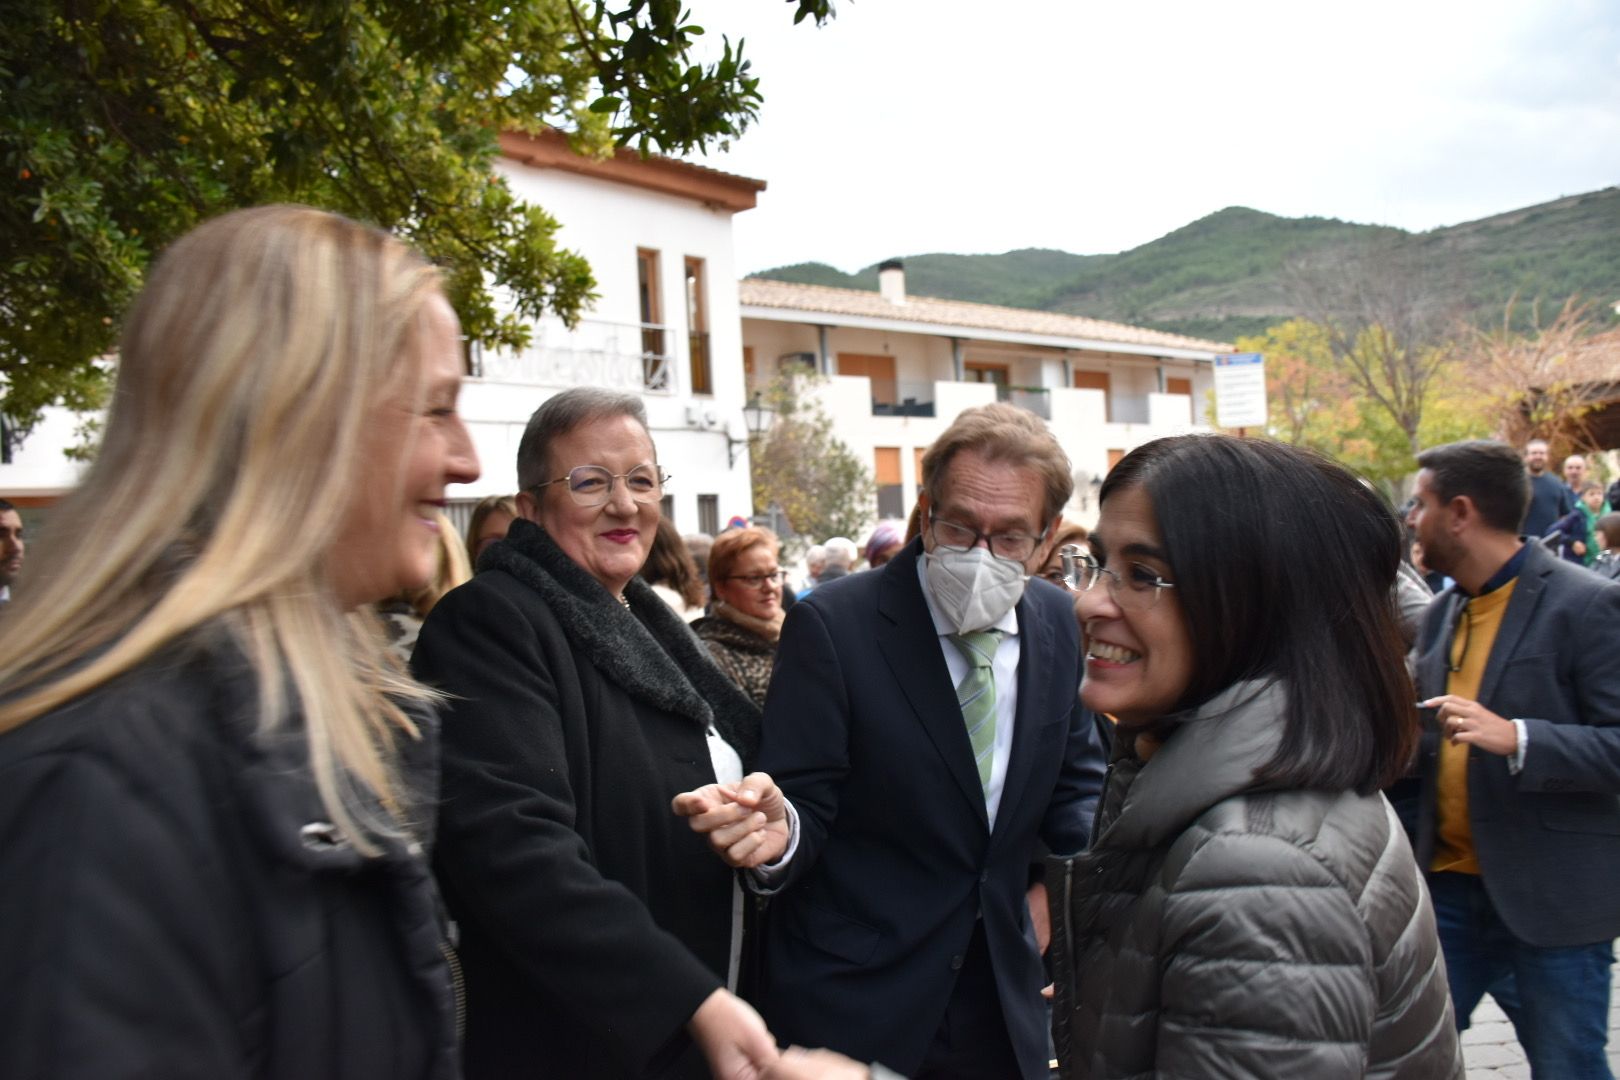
x=733, y=1038
x=747, y=825
x=797, y=1063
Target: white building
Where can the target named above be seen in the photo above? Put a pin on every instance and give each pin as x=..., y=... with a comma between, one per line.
x=670, y=324
x=657, y=234
x=902, y=367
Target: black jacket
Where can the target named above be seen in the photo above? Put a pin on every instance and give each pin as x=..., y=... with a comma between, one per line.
x=174, y=903
x=593, y=921
x=897, y=864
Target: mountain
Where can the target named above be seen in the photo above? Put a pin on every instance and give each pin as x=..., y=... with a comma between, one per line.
x=1236, y=271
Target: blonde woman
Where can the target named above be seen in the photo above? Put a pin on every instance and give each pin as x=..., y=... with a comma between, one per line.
x=215, y=791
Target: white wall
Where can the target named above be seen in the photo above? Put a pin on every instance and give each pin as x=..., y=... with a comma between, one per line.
x=606, y=222
x=39, y=467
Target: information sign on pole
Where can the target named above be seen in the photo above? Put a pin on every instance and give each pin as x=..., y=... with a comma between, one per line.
x=1240, y=390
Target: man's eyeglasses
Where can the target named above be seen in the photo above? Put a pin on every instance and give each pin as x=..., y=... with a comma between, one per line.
x=1014, y=546
x=592, y=485
x=759, y=581
x=1136, y=590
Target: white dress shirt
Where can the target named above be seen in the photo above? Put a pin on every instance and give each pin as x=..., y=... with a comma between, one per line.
x=1004, y=669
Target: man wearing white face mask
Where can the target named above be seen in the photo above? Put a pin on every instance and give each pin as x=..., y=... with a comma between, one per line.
x=921, y=734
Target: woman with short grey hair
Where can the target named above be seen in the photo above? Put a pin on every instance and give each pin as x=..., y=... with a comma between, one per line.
x=596, y=930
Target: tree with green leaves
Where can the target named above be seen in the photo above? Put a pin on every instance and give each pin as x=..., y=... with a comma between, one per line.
x=1315, y=402
x=800, y=466
x=127, y=122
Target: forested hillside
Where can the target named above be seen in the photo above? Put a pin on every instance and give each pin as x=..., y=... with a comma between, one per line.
x=1238, y=270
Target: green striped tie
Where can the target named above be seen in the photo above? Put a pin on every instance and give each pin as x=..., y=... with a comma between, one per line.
x=976, y=693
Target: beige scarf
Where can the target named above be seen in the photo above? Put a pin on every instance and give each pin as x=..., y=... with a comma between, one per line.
x=769, y=629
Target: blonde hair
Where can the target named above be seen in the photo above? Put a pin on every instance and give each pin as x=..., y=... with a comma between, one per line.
x=451, y=567
x=249, y=366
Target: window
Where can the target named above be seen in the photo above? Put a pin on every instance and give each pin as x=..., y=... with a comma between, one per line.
x=886, y=471
x=666, y=506
x=1097, y=380
x=879, y=369
x=654, y=374
x=709, y=514
x=697, y=328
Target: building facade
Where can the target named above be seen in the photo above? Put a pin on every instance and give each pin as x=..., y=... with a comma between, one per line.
x=898, y=369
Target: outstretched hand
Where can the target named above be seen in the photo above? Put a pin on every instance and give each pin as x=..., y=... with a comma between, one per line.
x=733, y=1038
x=747, y=824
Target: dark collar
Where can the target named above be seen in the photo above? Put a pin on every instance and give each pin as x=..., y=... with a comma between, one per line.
x=1507, y=573
x=646, y=649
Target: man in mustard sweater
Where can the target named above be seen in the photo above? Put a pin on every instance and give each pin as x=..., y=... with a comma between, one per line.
x=1518, y=821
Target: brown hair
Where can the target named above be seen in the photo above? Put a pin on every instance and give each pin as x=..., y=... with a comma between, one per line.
x=731, y=545
x=489, y=504
x=670, y=562
x=1003, y=432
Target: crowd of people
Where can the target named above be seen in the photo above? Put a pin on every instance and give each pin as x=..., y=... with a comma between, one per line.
x=576, y=796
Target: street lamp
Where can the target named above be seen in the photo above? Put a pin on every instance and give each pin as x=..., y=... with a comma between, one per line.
x=759, y=417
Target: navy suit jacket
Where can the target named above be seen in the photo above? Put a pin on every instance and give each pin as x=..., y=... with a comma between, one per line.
x=896, y=859
x=1548, y=839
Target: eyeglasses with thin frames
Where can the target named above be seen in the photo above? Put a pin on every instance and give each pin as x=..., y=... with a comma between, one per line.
x=1014, y=546
x=759, y=581
x=1137, y=590
x=592, y=485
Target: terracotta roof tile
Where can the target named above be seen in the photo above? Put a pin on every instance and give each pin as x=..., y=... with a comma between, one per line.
x=764, y=292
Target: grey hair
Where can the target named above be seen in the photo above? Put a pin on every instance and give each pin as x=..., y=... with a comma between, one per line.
x=562, y=414
x=841, y=551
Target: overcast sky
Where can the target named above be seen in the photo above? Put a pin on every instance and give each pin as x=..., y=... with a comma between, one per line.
x=912, y=126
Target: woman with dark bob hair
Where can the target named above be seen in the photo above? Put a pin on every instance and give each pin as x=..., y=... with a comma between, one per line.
x=1249, y=905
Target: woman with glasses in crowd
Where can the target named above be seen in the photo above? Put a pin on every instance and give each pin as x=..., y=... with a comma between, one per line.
x=596, y=931
x=745, y=581
x=1249, y=904
x=215, y=787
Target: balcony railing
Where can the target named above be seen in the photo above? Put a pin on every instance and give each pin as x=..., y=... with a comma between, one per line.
x=902, y=397
x=1037, y=399
x=619, y=356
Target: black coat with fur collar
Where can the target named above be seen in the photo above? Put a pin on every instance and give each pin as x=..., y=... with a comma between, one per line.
x=593, y=921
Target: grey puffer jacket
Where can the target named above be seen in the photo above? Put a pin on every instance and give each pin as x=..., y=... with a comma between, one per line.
x=1217, y=930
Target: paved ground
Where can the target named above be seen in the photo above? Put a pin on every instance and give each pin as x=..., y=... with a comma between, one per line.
x=1492, y=1053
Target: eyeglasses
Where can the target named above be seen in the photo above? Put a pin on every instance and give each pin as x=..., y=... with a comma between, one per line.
x=759, y=581
x=1014, y=547
x=1137, y=590
x=592, y=485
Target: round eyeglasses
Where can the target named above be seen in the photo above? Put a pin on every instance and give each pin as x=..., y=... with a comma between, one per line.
x=1014, y=546
x=1136, y=590
x=592, y=485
